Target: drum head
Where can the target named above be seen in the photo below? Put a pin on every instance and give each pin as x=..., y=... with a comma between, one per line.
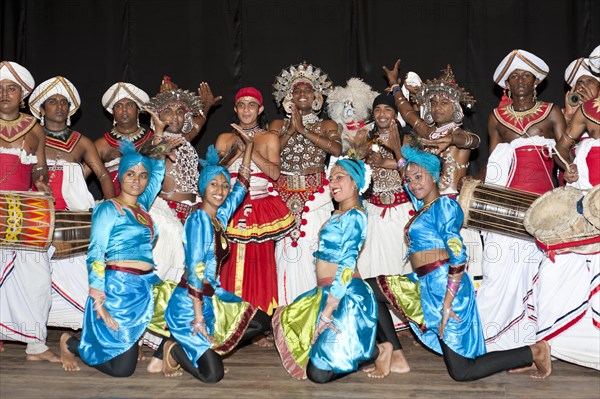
x=553, y=218
x=466, y=195
x=591, y=206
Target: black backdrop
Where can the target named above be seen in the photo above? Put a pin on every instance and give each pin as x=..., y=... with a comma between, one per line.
x=233, y=43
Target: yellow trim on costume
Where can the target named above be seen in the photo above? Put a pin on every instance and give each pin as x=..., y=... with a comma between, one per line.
x=346, y=275
x=98, y=267
x=263, y=229
x=199, y=270
x=455, y=245
x=240, y=257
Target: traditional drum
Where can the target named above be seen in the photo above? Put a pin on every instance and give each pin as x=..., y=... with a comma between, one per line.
x=591, y=206
x=28, y=221
x=495, y=208
x=557, y=222
x=71, y=233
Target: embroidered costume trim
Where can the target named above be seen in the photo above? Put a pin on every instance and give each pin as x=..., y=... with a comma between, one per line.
x=138, y=137
x=58, y=143
x=591, y=110
x=521, y=121
x=14, y=130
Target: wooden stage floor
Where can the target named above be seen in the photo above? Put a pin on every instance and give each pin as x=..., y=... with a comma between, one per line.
x=257, y=373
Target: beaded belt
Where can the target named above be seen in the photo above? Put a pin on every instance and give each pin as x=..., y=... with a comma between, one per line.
x=301, y=182
x=182, y=211
x=387, y=198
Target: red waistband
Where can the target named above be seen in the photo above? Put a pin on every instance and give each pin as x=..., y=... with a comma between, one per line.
x=428, y=268
x=207, y=289
x=130, y=270
x=322, y=282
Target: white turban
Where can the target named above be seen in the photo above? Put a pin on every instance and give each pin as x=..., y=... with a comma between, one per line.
x=577, y=69
x=52, y=86
x=122, y=90
x=21, y=76
x=594, y=60
x=520, y=59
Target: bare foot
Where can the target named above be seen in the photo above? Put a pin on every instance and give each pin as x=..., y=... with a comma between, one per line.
x=155, y=365
x=523, y=369
x=225, y=370
x=1, y=346
x=383, y=362
x=399, y=363
x=170, y=367
x=369, y=369
x=542, y=359
x=48, y=356
x=68, y=359
x=141, y=355
x=264, y=342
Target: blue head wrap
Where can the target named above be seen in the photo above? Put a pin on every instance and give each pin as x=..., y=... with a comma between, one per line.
x=211, y=169
x=357, y=171
x=130, y=158
x=430, y=162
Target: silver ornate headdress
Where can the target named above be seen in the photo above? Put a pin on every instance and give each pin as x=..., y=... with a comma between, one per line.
x=301, y=73
x=170, y=94
x=444, y=86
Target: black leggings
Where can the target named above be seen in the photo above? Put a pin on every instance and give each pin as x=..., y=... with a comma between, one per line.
x=459, y=367
x=322, y=376
x=462, y=368
x=385, y=326
x=121, y=366
x=209, y=368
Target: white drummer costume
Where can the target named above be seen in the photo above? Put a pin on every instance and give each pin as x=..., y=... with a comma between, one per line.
x=568, y=299
x=510, y=266
x=24, y=275
x=70, y=192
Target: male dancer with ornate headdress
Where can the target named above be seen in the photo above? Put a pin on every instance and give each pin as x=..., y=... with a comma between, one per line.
x=305, y=142
x=124, y=101
x=523, y=133
x=184, y=114
x=25, y=279
x=53, y=102
x=250, y=271
x=441, y=128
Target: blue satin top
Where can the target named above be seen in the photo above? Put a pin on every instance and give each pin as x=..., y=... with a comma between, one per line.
x=340, y=241
x=120, y=233
x=199, y=240
x=437, y=226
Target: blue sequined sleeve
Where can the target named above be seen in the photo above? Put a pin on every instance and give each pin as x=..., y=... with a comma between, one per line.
x=233, y=200
x=104, y=217
x=198, y=242
x=340, y=242
x=448, y=218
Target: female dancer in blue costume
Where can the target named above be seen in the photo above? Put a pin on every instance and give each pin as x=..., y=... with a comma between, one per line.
x=440, y=301
x=205, y=320
x=120, y=269
x=329, y=331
